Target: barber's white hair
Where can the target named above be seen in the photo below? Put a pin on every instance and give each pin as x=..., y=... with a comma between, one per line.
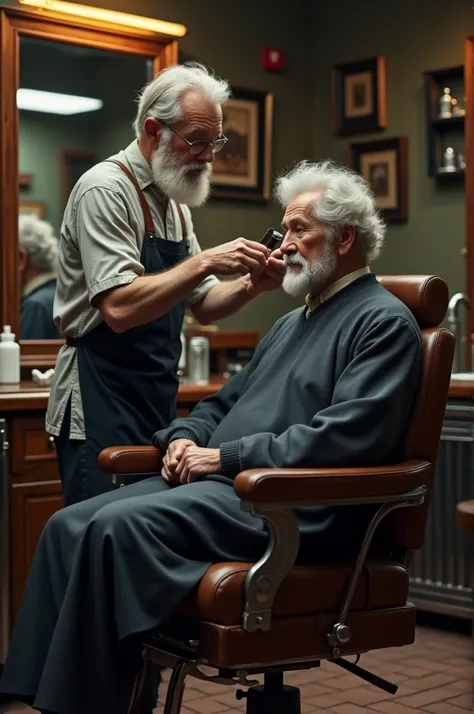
x=38, y=239
x=160, y=98
x=346, y=200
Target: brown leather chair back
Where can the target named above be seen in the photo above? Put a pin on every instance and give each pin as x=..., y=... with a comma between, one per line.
x=427, y=297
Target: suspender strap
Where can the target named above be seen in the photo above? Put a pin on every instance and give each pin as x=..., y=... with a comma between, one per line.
x=150, y=228
x=183, y=222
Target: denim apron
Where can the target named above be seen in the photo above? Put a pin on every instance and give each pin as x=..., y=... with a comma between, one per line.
x=129, y=381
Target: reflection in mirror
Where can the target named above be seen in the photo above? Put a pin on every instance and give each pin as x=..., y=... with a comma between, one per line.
x=76, y=107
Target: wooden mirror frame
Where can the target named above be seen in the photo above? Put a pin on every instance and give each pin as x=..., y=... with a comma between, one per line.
x=14, y=22
x=469, y=186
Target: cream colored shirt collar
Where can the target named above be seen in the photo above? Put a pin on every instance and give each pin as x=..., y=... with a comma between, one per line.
x=37, y=282
x=313, y=301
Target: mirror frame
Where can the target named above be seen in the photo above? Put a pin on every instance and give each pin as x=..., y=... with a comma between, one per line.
x=52, y=26
x=469, y=189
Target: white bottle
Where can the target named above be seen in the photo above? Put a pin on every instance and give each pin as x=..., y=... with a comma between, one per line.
x=9, y=357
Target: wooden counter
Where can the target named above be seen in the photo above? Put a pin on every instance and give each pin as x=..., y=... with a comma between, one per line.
x=27, y=395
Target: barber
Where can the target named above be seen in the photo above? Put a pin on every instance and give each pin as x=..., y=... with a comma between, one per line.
x=129, y=265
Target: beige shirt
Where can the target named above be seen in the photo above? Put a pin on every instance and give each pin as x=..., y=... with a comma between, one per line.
x=100, y=245
x=313, y=301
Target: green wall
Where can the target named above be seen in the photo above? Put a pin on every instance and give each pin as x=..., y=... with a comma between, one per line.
x=414, y=36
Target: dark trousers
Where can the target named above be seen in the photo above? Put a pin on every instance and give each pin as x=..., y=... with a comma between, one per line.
x=73, y=469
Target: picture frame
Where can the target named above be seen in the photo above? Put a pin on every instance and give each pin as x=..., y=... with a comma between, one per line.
x=242, y=169
x=384, y=164
x=25, y=180
x=359, y=96
x=35, y=208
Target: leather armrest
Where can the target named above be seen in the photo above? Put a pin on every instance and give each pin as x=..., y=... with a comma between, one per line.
x=314, y=485
x=130, y=460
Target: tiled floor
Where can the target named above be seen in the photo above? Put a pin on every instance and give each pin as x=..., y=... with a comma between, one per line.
x=435, y=676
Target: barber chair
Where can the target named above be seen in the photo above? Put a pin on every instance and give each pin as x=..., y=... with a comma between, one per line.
x=276, y=615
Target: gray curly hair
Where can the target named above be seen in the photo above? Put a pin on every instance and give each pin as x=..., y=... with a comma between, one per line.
x=160, y=98
x=38, y=239
x=347, y=199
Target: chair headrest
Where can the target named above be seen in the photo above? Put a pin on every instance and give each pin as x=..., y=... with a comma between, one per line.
x=427, y=296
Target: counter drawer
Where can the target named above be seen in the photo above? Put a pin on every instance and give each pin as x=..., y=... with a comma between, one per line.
x=32, y=449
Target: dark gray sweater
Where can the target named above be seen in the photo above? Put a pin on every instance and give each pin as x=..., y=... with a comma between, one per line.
x=334, y=389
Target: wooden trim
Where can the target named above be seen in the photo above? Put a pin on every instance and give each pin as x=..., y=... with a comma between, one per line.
x=14, y=21
x=469, y=181
x=9, y=174
x=382, y=91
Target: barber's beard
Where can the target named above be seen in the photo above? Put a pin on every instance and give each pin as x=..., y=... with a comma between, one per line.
x=183, y=183
x=313, y=277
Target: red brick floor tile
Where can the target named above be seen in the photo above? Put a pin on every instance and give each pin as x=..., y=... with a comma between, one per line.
x=444, y=708
x=465, y=701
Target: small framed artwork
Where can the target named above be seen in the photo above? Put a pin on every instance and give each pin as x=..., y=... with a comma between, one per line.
x=242, y=169
x=35, y=208
x=384, y=164
x=359, y=96
x=25, y=180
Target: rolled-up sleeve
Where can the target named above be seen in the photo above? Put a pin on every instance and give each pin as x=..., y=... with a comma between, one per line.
x=109, y=250
x=203, y=288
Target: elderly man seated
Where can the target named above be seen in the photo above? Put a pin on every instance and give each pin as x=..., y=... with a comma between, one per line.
x=331, y=385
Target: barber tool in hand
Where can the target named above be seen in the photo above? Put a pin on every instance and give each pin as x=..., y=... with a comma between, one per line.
x=272, y=239
x=239, y=256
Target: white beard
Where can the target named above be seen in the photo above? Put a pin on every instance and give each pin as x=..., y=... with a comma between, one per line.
x=313, y=277
x=171, y=176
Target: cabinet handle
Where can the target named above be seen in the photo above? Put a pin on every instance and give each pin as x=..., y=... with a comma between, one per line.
x=51, y=443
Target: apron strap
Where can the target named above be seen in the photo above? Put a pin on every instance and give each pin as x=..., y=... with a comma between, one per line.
x=183, y=222
x=150, y=228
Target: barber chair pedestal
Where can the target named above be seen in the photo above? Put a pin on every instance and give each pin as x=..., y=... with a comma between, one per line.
x=273, y=697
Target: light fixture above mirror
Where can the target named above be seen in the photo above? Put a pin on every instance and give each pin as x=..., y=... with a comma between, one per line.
x=137, y=22
x=36, y=100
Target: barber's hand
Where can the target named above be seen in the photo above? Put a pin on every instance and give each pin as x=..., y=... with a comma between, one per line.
x=197, y=461
x=270, y=278
x=240, y=256
x=172, y=458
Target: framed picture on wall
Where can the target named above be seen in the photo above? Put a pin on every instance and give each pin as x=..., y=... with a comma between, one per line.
x=242, y=169
x=384, y=164
x=35, y=208
x=359, y=96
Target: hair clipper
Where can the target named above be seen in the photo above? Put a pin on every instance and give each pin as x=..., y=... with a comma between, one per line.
x=272, y=239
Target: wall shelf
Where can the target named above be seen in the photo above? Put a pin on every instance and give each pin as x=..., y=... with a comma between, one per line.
x=444, y=132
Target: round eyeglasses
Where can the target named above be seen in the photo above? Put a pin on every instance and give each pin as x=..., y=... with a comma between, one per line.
x=199, y=146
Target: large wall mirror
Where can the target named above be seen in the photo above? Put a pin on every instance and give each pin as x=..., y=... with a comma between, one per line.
x=69, y=95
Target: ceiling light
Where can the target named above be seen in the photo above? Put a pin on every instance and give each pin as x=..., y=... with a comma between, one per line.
x=147, y=24
x=34, y=100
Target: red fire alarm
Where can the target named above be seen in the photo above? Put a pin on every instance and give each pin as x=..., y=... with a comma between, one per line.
x=273, y=59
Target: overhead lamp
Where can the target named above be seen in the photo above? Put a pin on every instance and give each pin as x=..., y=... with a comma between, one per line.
x=34, y=100
x=100, y=14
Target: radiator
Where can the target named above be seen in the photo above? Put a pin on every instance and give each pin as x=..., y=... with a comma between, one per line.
x=441, y=574
x=4, y=546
